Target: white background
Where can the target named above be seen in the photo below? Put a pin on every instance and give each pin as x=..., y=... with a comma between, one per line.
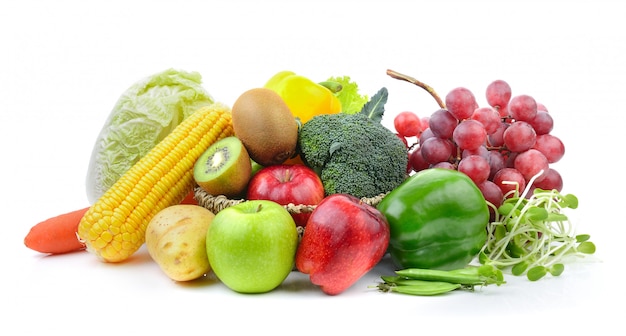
x=63, y=64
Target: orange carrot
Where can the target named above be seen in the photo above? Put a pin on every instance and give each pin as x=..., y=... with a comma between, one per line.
x=57, y=234
x=189, y=199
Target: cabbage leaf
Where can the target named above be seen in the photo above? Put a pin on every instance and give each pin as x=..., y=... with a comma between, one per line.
x=143, y=115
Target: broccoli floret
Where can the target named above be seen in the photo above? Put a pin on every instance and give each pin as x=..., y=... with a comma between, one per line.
x=353, y=154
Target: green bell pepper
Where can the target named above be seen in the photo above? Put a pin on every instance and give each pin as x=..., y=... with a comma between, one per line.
x=438, y=220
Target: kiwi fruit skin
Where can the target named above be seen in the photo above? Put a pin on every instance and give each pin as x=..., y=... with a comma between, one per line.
x=232, y=170
x=263, y=122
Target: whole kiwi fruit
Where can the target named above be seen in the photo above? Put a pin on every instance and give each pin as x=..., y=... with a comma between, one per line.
x=263, y=122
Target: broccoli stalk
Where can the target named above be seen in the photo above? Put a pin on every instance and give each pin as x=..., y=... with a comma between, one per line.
x=354, y=153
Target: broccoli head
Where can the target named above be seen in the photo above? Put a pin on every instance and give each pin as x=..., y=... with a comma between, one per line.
x=353, y=154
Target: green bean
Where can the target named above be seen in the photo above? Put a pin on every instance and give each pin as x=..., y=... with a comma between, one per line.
x=450, y=276
x=402, y=281
x=398, y=280
x=488, y=271
x=469, y=270
x=426, y=288
x=418, y=281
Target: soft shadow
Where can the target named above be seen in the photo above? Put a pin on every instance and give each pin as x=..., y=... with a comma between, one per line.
x=59, y=255
x=297, y=282
x=208, y=279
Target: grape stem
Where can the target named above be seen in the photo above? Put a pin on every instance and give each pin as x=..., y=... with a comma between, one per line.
x=428, y=88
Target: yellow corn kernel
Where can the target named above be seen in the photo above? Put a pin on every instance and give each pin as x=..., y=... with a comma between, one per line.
x=114, y=227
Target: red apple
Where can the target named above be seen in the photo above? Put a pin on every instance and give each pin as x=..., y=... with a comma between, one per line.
x=284, y=184
x=344, y=239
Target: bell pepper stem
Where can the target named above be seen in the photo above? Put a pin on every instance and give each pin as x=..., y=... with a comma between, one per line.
x=334, y=87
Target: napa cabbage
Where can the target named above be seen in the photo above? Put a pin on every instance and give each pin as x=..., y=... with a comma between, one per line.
x=142, y=116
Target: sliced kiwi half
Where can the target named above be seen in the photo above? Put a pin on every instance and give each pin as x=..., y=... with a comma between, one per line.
x=224, y=168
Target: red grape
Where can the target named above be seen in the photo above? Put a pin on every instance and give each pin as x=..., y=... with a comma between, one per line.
x=489, y=117
x=552, y=180
x=476, y=167
x=498, y=95
x=417, y=161
x=442, y=123
x=407, y=124
x=496, y=162
x=491, y=192
x=461, y=103
x=509, y=179
x=482, y=151
x=522, y=107
x=469, y=134
x=509, y=159
x=519, y=136
x=551, y=146
x=541, y=107
x=496, y=139
x=542, y=123
x=444, y=165
x=435, y=150
x=530, y=163
x=427, y=133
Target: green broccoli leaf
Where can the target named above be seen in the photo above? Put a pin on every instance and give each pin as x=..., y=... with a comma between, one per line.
x=375, y=107
x=334, y=147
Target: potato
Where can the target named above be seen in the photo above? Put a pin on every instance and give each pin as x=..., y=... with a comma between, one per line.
x=176, y=241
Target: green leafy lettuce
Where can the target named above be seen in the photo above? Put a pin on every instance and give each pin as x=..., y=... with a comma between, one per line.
x=143, y=115
x=351, y=100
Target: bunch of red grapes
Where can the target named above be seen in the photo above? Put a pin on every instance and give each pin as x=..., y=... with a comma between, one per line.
x=502, y=147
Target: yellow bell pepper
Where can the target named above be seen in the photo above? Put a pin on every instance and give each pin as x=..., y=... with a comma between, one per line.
x=304, y=97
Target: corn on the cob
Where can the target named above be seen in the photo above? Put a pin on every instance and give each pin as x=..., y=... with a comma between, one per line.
x=114, y=227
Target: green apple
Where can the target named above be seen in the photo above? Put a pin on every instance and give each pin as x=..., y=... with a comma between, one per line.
x=251, y=246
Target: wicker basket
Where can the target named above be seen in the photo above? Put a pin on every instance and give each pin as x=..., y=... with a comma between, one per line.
x=221, y=202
